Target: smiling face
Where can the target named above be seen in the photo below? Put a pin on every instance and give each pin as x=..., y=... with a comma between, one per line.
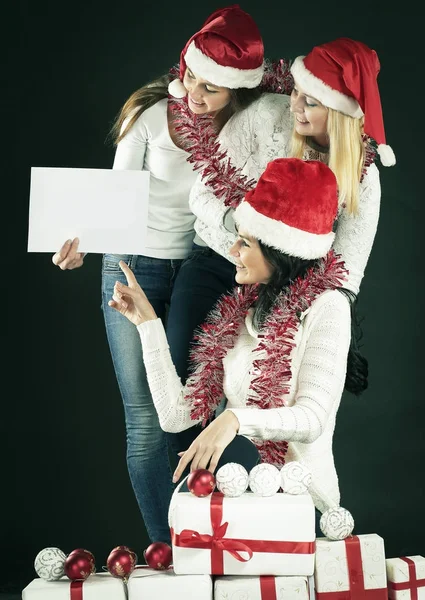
x=204, y=97
x=251, y=266
x=310, y=116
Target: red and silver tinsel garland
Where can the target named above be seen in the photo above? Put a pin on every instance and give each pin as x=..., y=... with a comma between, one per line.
x=272, y=374
x=200, y=139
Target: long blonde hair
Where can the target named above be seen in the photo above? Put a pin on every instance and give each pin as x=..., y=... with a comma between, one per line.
x=346, y=155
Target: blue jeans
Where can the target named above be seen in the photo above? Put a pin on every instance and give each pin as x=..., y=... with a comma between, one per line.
x=147, y=448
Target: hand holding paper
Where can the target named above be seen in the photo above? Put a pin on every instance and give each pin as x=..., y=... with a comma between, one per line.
x=68, y=256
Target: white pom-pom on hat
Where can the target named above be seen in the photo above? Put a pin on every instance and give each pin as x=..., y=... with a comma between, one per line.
x=386, y=154
x=337, y=523
x=177, y=89
x=295, y=478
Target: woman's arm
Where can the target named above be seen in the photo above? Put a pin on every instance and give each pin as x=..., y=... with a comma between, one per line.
x=355, y=234
x=320, y=382
x=130, y=152
x=167, y=391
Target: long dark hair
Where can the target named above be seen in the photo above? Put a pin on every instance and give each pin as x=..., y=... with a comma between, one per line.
x=157, y=90
x=285, y=270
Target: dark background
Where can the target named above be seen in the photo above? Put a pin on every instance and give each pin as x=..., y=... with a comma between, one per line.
x=69, y=69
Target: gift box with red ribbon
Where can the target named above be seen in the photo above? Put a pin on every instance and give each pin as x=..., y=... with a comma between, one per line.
x=148, y=584
x=265, y=587
x=247, y=535
x=406, y=578
x=351, y=569
x=100, y=586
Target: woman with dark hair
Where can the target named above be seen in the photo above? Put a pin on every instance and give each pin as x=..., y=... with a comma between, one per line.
x=222, y=69
x=277, y=348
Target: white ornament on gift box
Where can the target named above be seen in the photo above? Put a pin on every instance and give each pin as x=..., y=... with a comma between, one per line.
x=295, y=478
x=49, y=564
x=337, y=523
x=232, y=479
x=264, y=480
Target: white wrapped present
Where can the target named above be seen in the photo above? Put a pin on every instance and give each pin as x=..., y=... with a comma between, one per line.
x=149, y=584
x=406, y=578
x=266, y=587
x=351, y=569
x=247, y=535
x=99, y=586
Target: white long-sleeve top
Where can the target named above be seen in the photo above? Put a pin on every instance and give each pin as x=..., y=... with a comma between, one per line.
x=149, y=147
x=307, y=422
x=254, y=137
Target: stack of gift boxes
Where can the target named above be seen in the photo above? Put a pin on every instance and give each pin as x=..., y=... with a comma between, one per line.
x=252, y=537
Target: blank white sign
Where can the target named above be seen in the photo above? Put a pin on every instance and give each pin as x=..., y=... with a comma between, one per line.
x=106, y=209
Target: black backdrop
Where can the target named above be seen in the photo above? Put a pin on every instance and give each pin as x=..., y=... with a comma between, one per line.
x=63, y=473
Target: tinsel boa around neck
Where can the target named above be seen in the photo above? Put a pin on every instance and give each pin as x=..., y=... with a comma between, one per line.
x=272, y=374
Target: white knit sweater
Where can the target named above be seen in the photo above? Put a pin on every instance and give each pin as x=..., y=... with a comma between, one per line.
x=254, y=137
x=307, y=421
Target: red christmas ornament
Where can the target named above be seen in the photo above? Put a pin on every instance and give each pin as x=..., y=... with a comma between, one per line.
x=158, y=556
x=79, y=565
x=201, y=483
x=121, y=562
x=89, y=554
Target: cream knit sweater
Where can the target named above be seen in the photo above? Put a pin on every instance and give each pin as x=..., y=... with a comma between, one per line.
x=254, y=137
x=307, y=421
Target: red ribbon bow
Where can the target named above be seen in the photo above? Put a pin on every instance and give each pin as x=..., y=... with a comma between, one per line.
x=413, y=584
x=217, y=543
x=357, y=590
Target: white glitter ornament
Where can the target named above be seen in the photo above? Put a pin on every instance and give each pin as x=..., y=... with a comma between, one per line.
x=49, y=564
x=232, y=479
x=264, y=480
x=295, y=478
x=337, y=523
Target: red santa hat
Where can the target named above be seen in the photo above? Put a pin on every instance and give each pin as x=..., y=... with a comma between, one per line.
x=228, y=52
x=292, y=208
x=343, y=75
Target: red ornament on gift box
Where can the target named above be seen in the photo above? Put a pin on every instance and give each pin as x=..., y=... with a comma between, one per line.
x=89, y=554
x=121, y=562
x=201, y=483
x=79, y=565
x=158, y=556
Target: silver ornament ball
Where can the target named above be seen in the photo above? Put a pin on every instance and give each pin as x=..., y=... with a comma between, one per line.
x=295, y=478
x=337, y=523
x=232, y=479
x=264, y=480
x=49, y=564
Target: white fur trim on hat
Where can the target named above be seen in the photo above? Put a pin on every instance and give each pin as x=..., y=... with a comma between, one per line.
x=177, y=89
x=277, y=234
x=218, y=75
x=315, y=87
x=386, y=154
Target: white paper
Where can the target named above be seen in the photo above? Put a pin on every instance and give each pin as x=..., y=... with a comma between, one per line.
x=106, y=209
